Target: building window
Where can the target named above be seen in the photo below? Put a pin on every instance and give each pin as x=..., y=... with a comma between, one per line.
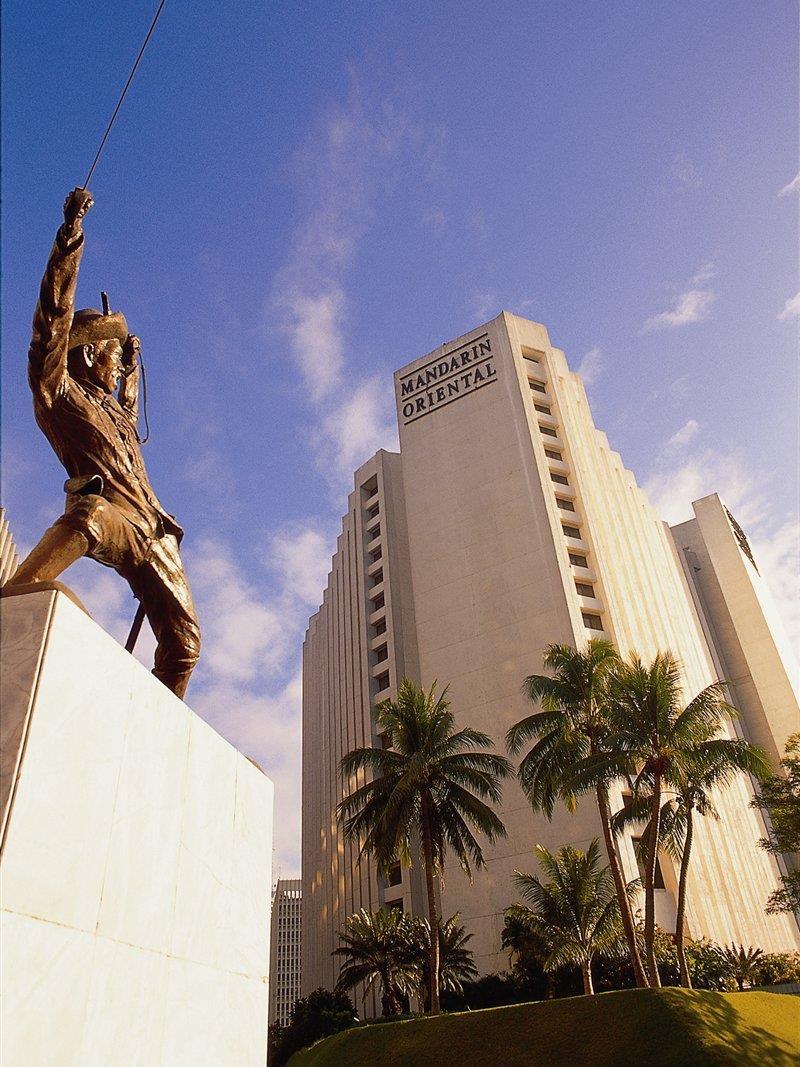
x=545, y=410
x=370, y=488
x=548, y=431
x=658, y=880
x=537, y=387
x=373, y=512
x=379, y=628
x=578, y=561
x=592, y=622
x=381, y=653
x=395, y=874
x=395, y=905
x=375, y=555
x=584, y=589
x=377, y=577
x=559, y=478
x=382, y=681
x=378, y=602
x=375, y=532
x=552, y=454
x=570, y=531
x=565, y=505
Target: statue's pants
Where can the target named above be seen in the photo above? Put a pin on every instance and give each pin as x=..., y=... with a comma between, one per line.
x=153, y=569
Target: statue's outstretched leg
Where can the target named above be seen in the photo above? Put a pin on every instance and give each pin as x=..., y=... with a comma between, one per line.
x=59, y=547
x=160, y=584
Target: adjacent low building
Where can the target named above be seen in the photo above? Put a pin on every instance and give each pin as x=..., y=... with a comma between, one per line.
x=507, y=522
x=285, y=963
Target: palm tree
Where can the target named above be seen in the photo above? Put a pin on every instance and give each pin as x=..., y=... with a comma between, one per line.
x=571, y=731
x=430, y=783
x=577, y=912
x=710, y=764
x=378, y=947
x=741, y=963
x=669, y=744
x=526, y=942
x=456, y=964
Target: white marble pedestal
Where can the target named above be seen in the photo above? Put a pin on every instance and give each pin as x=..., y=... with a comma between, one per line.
x=136, y=860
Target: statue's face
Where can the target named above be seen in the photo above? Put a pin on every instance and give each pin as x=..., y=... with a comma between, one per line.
x=106, y=368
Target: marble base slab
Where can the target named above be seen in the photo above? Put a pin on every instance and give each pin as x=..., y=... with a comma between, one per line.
x=136, y=860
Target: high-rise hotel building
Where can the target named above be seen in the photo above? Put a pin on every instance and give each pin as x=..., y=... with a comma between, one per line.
x=507, y=523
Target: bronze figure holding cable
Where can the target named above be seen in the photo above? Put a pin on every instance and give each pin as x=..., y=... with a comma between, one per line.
x=77, y=362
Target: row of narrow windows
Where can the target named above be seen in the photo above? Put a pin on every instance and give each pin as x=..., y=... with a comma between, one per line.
x=591, y=620
x=377, y=600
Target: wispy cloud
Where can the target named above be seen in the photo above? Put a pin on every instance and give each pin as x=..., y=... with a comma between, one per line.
x=682, y=437
x=792, y=187
x=791, y=309
x=339, y=175
x=694, y=305
x=703, y=274
x=591, y=366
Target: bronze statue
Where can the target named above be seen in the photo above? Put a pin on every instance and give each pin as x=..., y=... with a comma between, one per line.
x=76, y=363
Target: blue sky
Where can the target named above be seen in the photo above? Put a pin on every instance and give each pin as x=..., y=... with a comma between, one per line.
x=299, y=198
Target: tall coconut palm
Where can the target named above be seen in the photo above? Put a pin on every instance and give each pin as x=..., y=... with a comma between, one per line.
x=576, y=912
x=379, y=947
x=653, y=729
x=707, y=765
x=456, y=963
x=571, y=729
x=429, y=784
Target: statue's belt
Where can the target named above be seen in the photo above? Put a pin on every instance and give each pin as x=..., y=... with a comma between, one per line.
x=93, y=485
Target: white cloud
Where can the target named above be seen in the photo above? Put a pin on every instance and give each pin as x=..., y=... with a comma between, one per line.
x=591, y=366
x=792, y=187
x=791, y=309
x=302, y=556
x=692, y=306
x=682, y=437
x=361, y=424
x=242, y=635
x=315, y=327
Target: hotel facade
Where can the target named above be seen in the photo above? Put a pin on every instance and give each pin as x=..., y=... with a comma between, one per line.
x=507, y=523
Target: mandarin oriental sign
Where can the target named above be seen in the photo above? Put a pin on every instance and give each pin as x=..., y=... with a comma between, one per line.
x=446, y=378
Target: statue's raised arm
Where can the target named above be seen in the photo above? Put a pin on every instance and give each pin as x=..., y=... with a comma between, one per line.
x=55, y=308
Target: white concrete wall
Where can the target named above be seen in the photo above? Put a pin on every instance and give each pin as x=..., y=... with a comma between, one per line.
x=136, y=862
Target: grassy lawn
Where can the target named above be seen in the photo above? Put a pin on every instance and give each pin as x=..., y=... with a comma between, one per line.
x=630, y=1027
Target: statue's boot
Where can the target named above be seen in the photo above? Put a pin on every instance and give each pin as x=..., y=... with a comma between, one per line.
x=59, y=547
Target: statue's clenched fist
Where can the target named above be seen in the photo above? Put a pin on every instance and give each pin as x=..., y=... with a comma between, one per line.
x=77, y=203
x=130, y=353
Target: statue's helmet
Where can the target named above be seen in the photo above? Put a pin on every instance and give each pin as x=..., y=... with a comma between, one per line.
x=90, y=326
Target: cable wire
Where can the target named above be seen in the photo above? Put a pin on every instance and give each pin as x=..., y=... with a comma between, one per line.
x=124, y=93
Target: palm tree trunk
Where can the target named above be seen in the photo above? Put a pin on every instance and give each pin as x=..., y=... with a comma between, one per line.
x=686, y=979
x=649, y=883
x=639, y=974
x=433, y=919
x=586, y=972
